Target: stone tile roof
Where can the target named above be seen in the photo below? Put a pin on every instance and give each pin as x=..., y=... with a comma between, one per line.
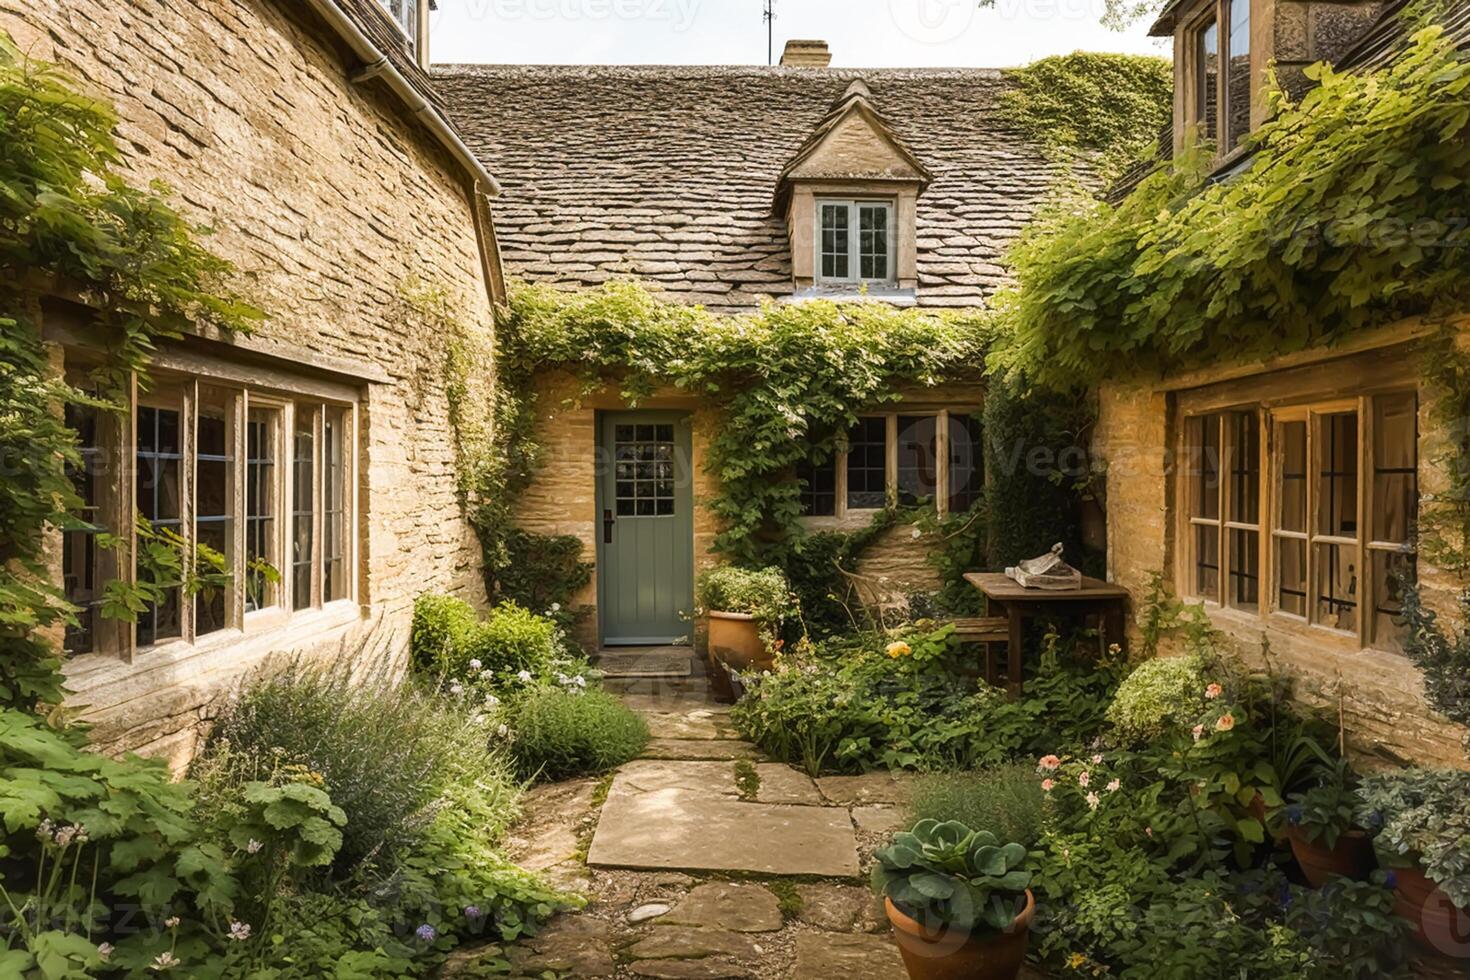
x=668, y=173
x=374, y=22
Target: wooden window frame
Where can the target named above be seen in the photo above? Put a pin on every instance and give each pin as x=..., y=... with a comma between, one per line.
x=1272, y=412
x=178, y=390
x=1217, y=12
x=854, y=242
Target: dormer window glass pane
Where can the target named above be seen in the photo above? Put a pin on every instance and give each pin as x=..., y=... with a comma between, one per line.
x=404, y=13
x=1207, y=79
x=1238, y=72
x=855, y=240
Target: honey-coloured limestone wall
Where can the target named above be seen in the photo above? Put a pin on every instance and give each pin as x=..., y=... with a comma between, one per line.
x=329, y=197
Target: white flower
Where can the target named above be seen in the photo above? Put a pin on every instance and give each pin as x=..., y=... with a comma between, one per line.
x=579, y=681
x=1113, y=786
x=104, y=951
x=239, y=931
x=456, y=689
x=253, y=846
x=165, y=961
x=486, y=675
x=475, y=665
x=170, y=922
x=503, y=730
x=917, y=534
x=491, y=701
x=1093, y=800
x=524, y=677
x=556, y=607
x=1097, y=759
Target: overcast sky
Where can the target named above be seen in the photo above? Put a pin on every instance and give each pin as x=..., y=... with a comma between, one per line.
x=862, y=33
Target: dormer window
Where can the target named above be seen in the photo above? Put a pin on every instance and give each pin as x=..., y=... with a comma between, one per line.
x=1219, y=53
x=855, y=241
x=404, y=13
x=1207, y=78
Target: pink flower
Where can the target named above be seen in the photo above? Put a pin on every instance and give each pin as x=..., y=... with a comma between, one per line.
x=1213, y=691
x=1149, y=831
x=1093, y=800
x=1113, y=786
x=1050, y=762
x=1226, y=722
x=1083, y=779
x=1047, y=785
x=1097, y=759
x=1198, y=732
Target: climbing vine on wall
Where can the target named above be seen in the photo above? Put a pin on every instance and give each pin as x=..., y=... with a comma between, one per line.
x=71, y=224
x=1352, y=211
x=789, y=379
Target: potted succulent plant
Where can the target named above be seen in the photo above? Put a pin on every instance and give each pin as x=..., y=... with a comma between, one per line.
x=1421, y=824
x=746, y=609
x=959, y=902
x=1321, y=827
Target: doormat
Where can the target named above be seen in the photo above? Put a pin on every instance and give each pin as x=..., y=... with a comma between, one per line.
x=654, y=662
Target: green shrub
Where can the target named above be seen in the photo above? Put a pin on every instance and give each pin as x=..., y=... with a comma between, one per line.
x=454, y=646
x=382, y=752
x=1165, y=695
x=762, y=593
x=560, y=733
x=1006, y=800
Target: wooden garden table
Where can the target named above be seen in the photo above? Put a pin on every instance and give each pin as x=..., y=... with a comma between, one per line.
x=1017, y=603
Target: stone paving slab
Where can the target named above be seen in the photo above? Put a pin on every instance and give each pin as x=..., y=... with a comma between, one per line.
x=679, y=829
x=779, y=783
x=738, y=907
x=699, y=748
x=704, y=778
x=873, y=787
x=827, y=955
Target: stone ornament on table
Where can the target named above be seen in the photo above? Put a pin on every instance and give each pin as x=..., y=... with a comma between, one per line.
x=1047, y=572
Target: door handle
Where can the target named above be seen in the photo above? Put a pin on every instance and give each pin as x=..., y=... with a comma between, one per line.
x=607, y=526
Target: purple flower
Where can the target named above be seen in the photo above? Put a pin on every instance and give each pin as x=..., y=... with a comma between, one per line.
x=1284, y=896
x=1294, y=814
x=473, y=912
x=426, y=933
x=1391, y=880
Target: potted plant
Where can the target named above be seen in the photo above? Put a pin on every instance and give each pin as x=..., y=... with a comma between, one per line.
x=1320, y=826
x=959, y=902
x=746, y=609
x=1421, y=824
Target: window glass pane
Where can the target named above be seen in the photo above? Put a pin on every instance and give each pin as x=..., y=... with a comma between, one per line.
x=1245, y=562
x=918, y=459
x=1238, y=68
x=818, y=487
x=966, y=463
x=334, y=505
x=260, y=506
x=79, y=555
x=1292, y=478
x=303, y=495
x=867, y=464
x=1395, y=462
x=1204, y=463
x=1206, y=560
x=159, y=461
x=405, y=15
x=1337, y=586
x=1392, y=570
x=873, y=241
x=835, y=241
x=1245, y=468
x=214, y=504
x=1291, y=576
x=1337, y=479
x=1207, y=67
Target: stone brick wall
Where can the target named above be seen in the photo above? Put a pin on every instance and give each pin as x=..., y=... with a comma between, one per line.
x=1379, y=694
x=328, y=196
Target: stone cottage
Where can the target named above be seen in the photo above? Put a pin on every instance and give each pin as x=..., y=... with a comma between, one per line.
x=730, y=187
x=308, y=135
x=1283, y=494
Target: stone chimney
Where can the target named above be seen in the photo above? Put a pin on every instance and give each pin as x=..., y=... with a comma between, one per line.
x=806, y=54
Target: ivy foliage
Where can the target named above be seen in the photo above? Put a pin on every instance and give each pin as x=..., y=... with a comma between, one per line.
x=71, y=224
x=790, y=380
x=1113, y=104
x=1351, y=212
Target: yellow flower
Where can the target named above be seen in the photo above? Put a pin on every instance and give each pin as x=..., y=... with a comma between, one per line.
x=898, y=648
x=1076, y=961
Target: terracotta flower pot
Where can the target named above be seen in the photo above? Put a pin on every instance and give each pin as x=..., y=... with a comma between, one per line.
x=956, y=955
x=735, y=640
x=1438, y=923
x=1351, y=858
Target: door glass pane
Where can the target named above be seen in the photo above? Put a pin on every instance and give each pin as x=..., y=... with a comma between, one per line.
x=1291, y=576
x=79, y=554
x=160, y=460
x=1207, y=67
x=966, y=463
x=1238, y=77
x=334, y=504
x=261, y=561
x=643, y=457
x=1395, y=462
x=214, y=504
x=867, y=464
x=835, y=243
x=873, y=241
x=1337, y=586
x=918, y=459
x=303, y=494
x=1337, y=479
x=1292, y=479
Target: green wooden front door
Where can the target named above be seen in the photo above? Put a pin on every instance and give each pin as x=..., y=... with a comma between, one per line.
x=645, y=552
